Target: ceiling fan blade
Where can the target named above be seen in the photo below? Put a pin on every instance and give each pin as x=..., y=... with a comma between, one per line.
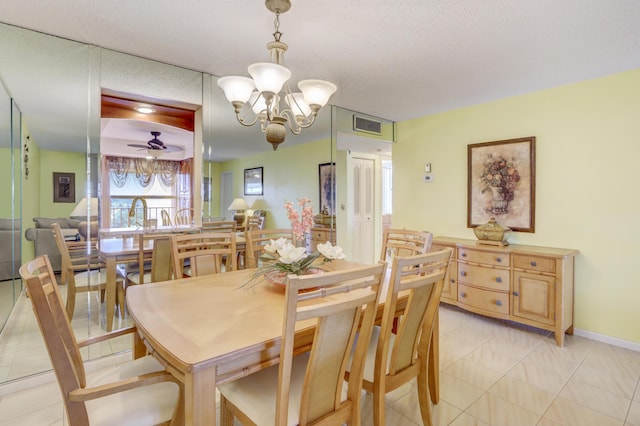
x=135, y=145
x=172, y=148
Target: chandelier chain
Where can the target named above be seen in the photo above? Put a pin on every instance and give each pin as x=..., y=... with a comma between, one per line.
x=276, y=26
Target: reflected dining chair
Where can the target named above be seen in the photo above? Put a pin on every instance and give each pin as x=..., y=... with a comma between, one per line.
x=206, y=253
x=255, y=222
x=308, y=389
x=404, y=242
x=394, y=359
x=183, y=217
x=132, y=393
x=155, y=264
x=256, y=239
x=82, y=270
x=166, y=220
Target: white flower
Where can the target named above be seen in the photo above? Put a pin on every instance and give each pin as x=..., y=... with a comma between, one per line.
x=331, y=252
x=275, y=246
x=290, y=253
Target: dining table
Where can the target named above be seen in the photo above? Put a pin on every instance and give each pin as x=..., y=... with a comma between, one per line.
x=122, y=246
x=211, y=329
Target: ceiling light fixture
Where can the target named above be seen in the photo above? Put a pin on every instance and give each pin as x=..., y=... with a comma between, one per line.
x=268, y=95
x=145, y=109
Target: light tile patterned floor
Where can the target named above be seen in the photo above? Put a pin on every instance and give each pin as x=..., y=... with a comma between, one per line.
x=491, y=373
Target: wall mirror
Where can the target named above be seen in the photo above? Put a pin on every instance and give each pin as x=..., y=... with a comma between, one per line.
x=65, y=136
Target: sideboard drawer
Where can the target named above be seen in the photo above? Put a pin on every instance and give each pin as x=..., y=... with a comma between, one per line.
x=491, y=278
x=485, y=257
x=484, y=299
x=534, y=263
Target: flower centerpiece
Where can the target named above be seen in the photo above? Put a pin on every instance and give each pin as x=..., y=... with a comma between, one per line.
x=282, y=257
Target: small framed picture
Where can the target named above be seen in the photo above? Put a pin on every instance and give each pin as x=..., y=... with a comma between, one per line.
x=64, y=187
x=253, y=181
x=327, y=190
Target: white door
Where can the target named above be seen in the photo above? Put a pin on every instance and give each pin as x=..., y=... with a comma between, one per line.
x=362, y=210
x=226, y=194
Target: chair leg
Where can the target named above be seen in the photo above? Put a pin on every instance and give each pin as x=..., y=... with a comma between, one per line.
x=378, y=404
x=71, y=296
x=423, y=394
x=226, y=418
x=120, y=294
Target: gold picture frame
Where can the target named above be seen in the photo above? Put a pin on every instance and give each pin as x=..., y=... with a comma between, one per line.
x=501, y=183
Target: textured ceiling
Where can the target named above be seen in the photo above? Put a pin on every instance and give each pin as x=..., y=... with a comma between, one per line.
x=396, y=60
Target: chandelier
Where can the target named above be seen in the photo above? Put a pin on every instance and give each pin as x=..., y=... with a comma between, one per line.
x=268, y=95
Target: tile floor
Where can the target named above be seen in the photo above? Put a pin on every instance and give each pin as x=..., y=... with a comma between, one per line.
x=491, y=373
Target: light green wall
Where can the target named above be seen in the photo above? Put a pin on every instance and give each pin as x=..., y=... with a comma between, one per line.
x=289, y=173
x=66, y=162
x=587, y=152
x=212, y=208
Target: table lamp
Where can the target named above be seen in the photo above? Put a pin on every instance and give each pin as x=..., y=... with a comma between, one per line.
x=239, y=205
x=80, y=210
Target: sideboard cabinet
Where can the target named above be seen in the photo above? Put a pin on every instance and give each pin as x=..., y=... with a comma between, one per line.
x=320, y=235
x=526, y=284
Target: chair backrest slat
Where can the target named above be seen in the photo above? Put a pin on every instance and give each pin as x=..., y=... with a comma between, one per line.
x=336, y=301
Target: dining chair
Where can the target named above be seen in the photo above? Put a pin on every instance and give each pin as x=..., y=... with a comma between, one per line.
x=155, y=264
x=307, y=389
x=219, y=226
x=394, y=359
x=255, y=222
x=183, y=217
x=83, y=270
x=404, y=242
x=256, y=239
x=164, y=216
x=131, y=393
x=206, y=253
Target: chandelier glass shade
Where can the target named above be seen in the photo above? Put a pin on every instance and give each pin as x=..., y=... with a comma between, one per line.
x=266, y=96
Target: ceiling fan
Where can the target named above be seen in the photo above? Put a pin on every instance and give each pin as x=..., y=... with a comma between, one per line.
x=156, y=146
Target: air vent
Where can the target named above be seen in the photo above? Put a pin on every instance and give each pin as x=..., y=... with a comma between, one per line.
x=362, y=124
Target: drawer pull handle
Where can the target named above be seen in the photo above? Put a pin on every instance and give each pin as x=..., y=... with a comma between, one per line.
x=498, y=302
x=463, y=273
x=515, y=293
x=452, y=280
x=463, y=254
x=533, y=263
x=498, y=259
x=498, y=279
x=463, y=294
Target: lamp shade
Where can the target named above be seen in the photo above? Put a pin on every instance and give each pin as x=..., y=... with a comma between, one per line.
x=297, y=104
x=317, y=92
x=269, y=77
x=236, y=88
x=238, y=204
x=80, y=210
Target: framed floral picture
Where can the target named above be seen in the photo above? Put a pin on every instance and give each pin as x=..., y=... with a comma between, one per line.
x=501, y=183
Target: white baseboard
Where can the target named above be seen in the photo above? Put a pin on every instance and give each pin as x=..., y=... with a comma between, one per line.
x=634, y=346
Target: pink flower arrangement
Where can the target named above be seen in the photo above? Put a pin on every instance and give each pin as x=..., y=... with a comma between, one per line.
x=300, y=224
